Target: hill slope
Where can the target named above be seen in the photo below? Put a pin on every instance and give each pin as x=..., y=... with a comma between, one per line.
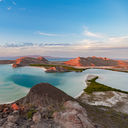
x=96, y=61
x=26, y=61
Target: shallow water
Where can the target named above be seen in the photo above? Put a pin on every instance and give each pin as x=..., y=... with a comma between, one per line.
x=15, y=83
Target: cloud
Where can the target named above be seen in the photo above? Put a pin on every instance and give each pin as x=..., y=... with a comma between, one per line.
x=118, y=39
x=91, y=34
x=109, y=46
x=13, y=2
x=73, y=50
x=115, y=43
x=30, y=44
x=17, y=44
x=1, y=0
x=47, y=34
x=9, y=8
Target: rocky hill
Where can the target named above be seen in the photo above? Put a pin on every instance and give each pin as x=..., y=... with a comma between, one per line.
x=26, y=61
x=44, y=95
x=48, y=107
x=44, y=107
x=96, y=61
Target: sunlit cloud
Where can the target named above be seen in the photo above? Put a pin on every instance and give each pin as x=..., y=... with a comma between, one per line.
x=119, y=39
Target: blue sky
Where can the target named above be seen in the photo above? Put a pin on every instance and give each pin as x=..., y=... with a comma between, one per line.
x=64, y=27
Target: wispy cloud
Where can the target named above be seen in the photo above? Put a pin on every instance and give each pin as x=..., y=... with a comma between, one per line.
x=13, y=2
x=91, y=34
x=9, y=8
x=30, y=44
x=1, y=0
x=47, y=34
x=118, y=39
x=17, y=44
x=119, y=42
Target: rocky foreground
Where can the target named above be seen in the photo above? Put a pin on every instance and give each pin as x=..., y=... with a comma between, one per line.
x=44, y=107
x=48, y=107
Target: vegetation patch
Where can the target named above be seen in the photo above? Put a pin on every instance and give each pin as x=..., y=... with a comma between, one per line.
x=30, y=113
x=97, y=87
x=118, y=70
x=69, y=68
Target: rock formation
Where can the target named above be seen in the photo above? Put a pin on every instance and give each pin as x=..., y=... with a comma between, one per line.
x=26, y=61
x=57, y=69
x=95, y=61
x=44, y=94
x=73, y=116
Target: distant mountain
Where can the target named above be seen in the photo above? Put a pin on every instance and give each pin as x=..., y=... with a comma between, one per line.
x=50, y=58
x=16, y=57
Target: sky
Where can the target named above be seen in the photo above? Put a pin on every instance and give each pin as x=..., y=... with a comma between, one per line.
x=64, y=28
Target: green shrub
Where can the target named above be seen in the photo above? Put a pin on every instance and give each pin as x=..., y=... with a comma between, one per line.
x=97, y=87
x=30, y=113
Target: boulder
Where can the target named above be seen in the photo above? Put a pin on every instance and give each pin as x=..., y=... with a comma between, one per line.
x=73, y=116
x=36, y=117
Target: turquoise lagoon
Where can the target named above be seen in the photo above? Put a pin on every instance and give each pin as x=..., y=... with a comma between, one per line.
x=15, y=83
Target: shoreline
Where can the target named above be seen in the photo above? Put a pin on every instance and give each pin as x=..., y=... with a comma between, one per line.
x=105, y=68
x=44, y=69
x=77, y=96
x=86, y=84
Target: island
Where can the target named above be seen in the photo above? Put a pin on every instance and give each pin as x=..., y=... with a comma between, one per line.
x=78, y=64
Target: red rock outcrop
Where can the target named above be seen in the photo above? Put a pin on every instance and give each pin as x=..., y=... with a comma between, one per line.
x=57, y=69
x=42, y=59
x=26, y=61
x=15, y=106
x=95, y=61
x=74, y=62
